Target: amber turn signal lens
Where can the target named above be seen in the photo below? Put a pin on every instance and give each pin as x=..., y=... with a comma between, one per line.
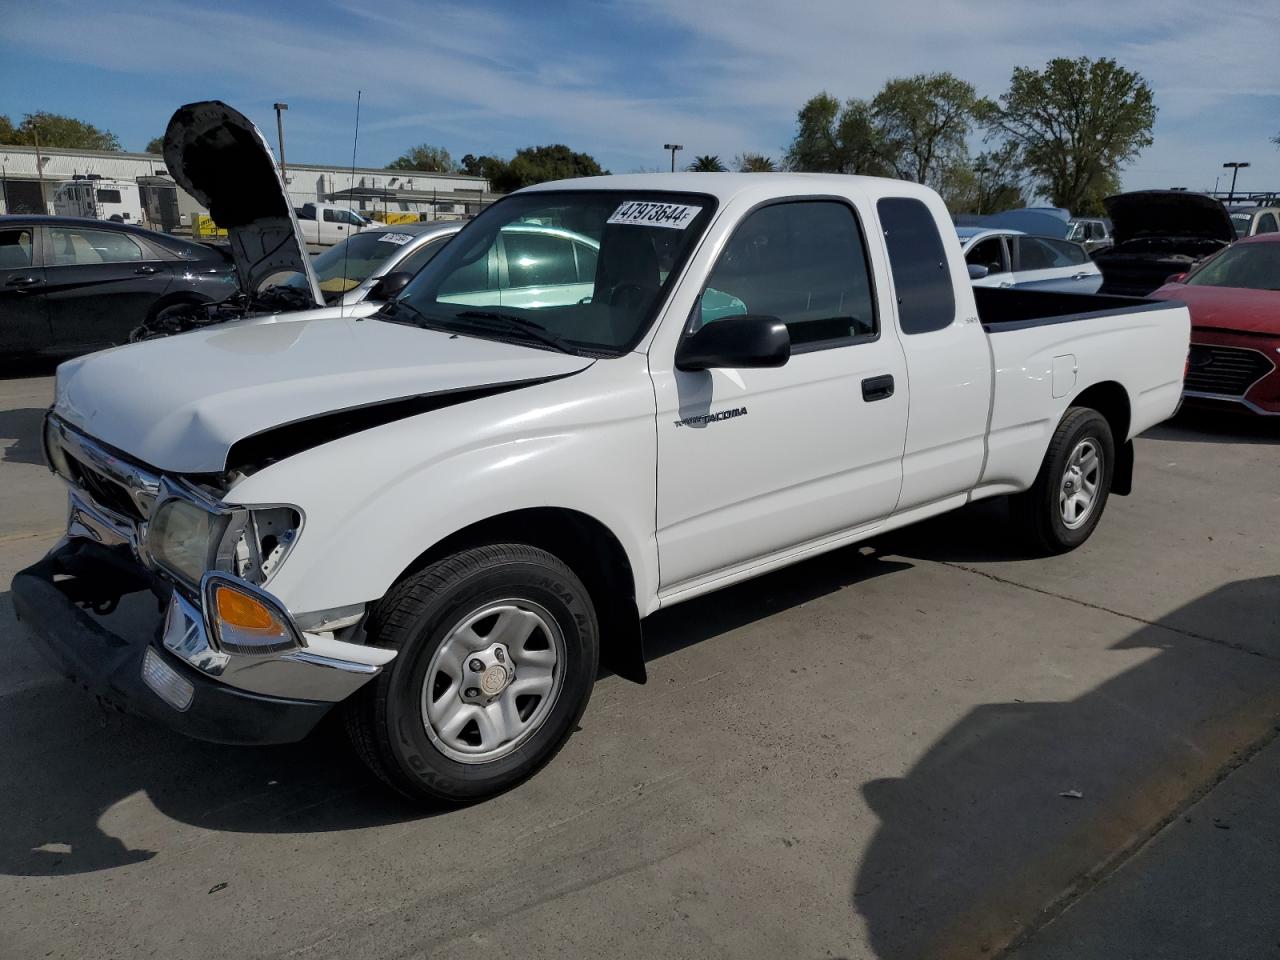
x=239, y=610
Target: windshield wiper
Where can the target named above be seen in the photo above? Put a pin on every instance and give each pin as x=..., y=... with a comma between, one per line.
x=519, y=325
x=392, y=307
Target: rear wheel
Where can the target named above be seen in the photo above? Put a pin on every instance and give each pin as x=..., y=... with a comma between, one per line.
x=498, y=648
x=1065, y=503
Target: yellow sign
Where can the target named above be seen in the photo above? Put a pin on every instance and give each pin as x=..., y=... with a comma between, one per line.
x=202, y=227
x=396, y=216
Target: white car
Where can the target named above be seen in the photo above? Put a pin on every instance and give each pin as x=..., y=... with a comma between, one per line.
x=1010, y=258
x=444, y=517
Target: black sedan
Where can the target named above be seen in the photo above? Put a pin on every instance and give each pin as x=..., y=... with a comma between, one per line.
x=68, y=286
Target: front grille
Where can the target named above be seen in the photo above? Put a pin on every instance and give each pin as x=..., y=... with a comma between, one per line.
x=105, y=491
x=1229, y=371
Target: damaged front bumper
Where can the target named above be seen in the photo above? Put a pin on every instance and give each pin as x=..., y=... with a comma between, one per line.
x=138, y=643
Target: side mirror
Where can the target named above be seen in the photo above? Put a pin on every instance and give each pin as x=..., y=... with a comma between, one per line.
x=743, y=341
x=389, y=285
x=1175, y=278
x=977, y=271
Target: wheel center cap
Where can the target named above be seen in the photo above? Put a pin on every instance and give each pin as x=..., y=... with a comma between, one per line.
x=493, y=680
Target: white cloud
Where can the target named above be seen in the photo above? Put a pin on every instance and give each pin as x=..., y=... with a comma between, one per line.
x=729, y=76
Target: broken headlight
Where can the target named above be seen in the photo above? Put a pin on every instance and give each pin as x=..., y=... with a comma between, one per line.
x=190, y=535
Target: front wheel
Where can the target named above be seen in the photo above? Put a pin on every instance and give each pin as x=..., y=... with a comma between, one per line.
x=498, y=647
x=1064, y=505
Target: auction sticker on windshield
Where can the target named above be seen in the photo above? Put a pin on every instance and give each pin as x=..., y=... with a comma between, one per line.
x=396, y=238
x=641, y=213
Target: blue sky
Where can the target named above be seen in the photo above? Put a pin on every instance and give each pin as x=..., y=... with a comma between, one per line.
x=618, y=79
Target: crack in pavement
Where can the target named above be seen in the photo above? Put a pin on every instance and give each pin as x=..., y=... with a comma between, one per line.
x=1190, y=634
x=1091, y=879
x=1100, y=874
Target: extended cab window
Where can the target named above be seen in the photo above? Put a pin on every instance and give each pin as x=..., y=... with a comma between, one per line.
x=921, y=278
x=803, y=262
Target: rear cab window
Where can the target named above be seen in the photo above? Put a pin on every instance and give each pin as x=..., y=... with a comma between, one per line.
x=918, y=262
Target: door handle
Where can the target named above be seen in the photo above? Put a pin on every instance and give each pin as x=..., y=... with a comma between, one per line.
x=877, y=388
x=1079, y=276
x=23, y=282
x=147, y=270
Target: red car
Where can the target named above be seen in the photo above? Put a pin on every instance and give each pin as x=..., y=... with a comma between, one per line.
x=1234, y=298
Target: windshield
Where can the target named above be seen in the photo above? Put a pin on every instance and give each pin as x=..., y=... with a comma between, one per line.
x=1241, y=222
x=346, y=265
x=580, y=271
x=1251, y=266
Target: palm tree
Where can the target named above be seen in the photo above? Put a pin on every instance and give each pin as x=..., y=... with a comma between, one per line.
x=708, y=163
x=755, y=163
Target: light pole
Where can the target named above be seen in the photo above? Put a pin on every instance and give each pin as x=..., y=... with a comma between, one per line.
x=1235, y=169
x=673, y=147
x=280, y=109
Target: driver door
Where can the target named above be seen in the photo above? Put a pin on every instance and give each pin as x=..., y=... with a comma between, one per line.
x=752, y=462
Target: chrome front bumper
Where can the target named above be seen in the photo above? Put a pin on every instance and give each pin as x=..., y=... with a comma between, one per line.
x=321, y=669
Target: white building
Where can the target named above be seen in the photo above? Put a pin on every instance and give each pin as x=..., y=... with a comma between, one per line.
x=27, y=183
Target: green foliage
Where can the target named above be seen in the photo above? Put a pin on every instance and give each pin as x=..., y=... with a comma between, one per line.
x=155, y=145
x=55, y=130
x=922, y=122
x=835, y=138
x=754, y=163
x=707, y=163
x=539, y=164
x=1077, y=123
x=424, y=157
x=483, y=166
x=988, y=183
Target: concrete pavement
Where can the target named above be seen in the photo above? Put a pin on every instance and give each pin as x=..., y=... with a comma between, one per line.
x=863, y=756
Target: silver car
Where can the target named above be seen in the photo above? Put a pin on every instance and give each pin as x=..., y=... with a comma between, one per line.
x=348, y=272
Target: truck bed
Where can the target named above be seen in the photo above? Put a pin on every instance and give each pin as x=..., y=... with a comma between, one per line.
x=1003, y=308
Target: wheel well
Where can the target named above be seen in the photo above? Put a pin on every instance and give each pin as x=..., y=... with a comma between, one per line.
x=590, y=550
x=175, y=298
x=1112, y=401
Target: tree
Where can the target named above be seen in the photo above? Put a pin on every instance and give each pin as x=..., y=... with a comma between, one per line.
x=707, y=163
x=424, y=157
x=55, y=130
x=988, y=183
x=155, y=145
x=754, y=163
x=1077, y=123
x=484, y=166
x=539, y=164
x=831, y=138
x=923, y=122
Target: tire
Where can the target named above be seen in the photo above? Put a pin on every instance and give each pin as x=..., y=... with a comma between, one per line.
x=405, y=723
x=1049, y=524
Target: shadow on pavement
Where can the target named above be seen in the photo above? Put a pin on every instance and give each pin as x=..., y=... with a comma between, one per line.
x=982, y=834
x=1206, y=425
x=22, y=426
x=67, y=760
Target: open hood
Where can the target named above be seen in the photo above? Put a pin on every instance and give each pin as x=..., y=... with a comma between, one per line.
x=217, y=155
x=1168, y=213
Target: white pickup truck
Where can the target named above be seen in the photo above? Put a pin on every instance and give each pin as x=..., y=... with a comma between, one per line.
x=324, y=224
x=444, y=515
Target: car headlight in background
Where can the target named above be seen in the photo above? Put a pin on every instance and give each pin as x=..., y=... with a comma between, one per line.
x=189, y=536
